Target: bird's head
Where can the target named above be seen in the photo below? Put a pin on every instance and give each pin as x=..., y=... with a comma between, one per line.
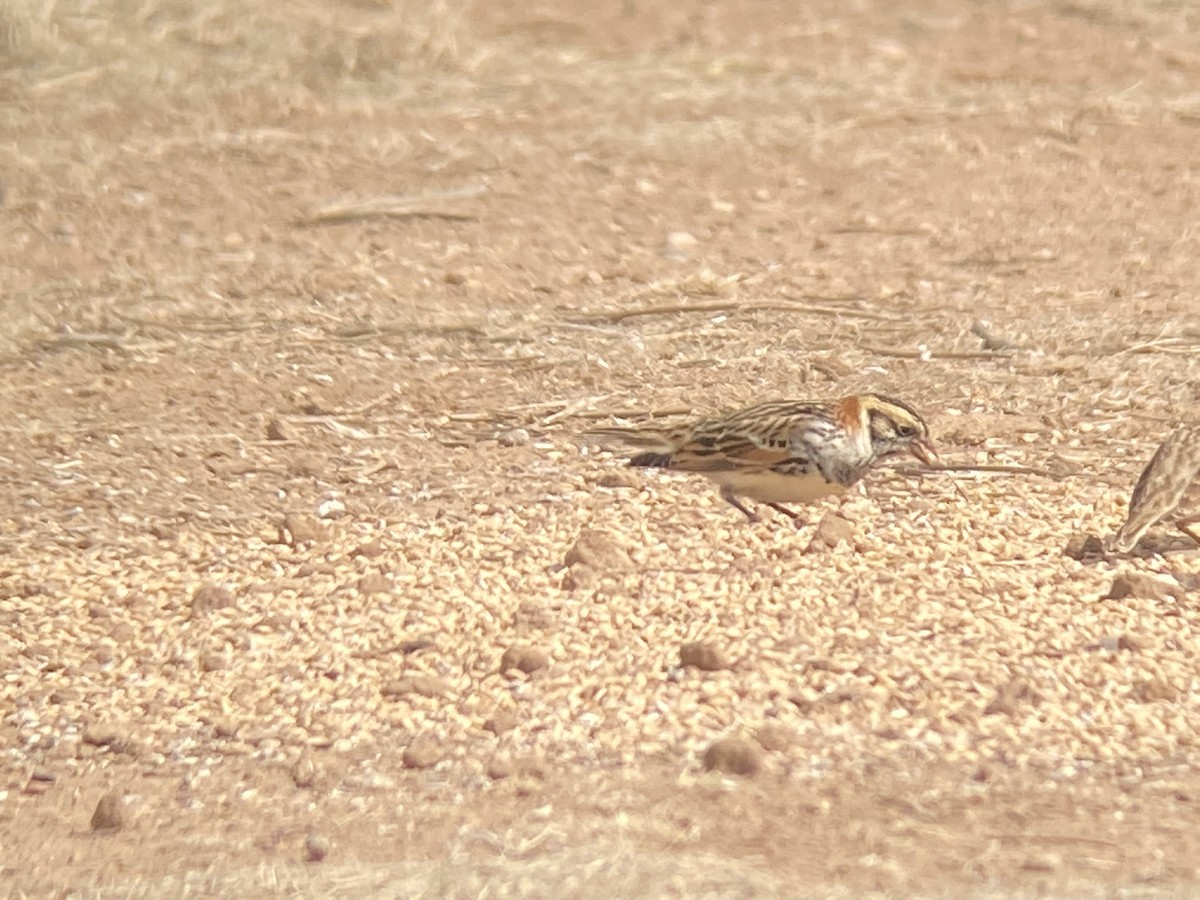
x=895, y=427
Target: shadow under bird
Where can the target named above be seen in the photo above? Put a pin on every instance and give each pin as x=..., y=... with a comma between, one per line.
x=1169, y=486
x=785, y=451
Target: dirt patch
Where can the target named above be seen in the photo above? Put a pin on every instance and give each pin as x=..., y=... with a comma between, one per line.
x=306, y=315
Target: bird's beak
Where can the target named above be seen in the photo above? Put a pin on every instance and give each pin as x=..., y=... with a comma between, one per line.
x=923, y=450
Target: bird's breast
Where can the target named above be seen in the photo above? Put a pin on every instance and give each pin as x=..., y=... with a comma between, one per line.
x=773, y=487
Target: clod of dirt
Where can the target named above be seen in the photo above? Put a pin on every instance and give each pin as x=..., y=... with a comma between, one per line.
x=1144, y=587
x=617, y=479
x=277, y=431
x=369, y=550
x=831, y=531
x=208, y=597
x=524, y=659
x=415, y=645
x=421, y=754
x=515, y=437
x=316, y=846
x=421, y=684
x=843, y=694
x=775, y=737
x=1012, y=696
x=109, y=814
x=1083, y=546
x=499, y=768
x=1042, y=861
x=1154, y=689
x=600, y=551
x=35, y=788
x=529, y=767
x=501, y=722
x=733, y=756
x=374, y=583
x=123, y=633
x=30, y=589
x=213, y=662
x=298, y=528
x=703, y=656
x=39, y=783
x=304, y=772
x=105, y=736
x=163, y=531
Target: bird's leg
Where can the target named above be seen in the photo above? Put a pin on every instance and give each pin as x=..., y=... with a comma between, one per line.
x=728, y=496
x=1188, y=526
x=794, y=516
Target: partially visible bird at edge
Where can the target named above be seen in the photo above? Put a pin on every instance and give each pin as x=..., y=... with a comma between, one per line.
x=1168, y=488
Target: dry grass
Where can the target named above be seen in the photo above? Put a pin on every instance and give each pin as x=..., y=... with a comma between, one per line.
x=176, y=50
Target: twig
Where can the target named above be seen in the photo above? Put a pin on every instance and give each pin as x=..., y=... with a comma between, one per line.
x=573, y=409
x=993, y=469
x=704, y=306
x=359, y=330
x=104, y=341
x=825, y=298
x=71, y=79
x=638, y=413
x=868, y=229
x=214, y=326
x=391, y=206
x=935, y=354
x=1161, y=345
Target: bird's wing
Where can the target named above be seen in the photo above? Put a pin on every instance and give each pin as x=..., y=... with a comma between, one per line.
x=734, y=452
x=1164, y=480
x=757, y=441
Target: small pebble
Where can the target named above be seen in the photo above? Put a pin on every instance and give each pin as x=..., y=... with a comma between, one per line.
x=316, y=846
x=109, y=814
x=703, y=656
x=421, y=754
x=733, y=756
x=524, y=659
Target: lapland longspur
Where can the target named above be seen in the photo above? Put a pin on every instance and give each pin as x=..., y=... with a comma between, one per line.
x=1168, y=486
x=786, y=451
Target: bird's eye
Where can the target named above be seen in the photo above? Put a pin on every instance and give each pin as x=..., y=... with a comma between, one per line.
x=906, y=431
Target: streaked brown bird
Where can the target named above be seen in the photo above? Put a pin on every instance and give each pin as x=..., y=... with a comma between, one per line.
x=1169, y=487
x=786, y=451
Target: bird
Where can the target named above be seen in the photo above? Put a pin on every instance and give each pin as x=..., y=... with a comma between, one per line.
x=786, y=451
x=1168, y=486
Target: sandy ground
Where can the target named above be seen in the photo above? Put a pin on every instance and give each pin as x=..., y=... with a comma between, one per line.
x=312, y=585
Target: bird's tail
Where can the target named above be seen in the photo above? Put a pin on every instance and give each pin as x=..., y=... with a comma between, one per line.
x=656, y=446
x=635, y=438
